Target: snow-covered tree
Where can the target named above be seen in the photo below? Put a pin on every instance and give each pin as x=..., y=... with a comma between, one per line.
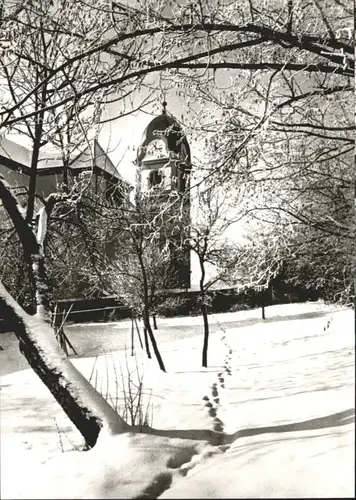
x=260, y=68
x=87, y=410
x=35, y=94
x=261, y=38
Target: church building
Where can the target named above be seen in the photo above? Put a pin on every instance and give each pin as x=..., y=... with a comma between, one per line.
x=163, y=168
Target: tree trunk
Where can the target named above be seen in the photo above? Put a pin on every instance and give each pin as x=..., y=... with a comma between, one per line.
x=203, y=307
x=204, y=313
x=138, y=333
x=86, y=408
x=32, y=184
x=88, y=425
x=146, y=320
x=33, y=245
x=132, y=338
x=36, y=146
x=41, y=287
x=146, y=313
x=147, y=345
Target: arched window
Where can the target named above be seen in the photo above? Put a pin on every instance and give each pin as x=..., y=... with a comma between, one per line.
x=155, y=178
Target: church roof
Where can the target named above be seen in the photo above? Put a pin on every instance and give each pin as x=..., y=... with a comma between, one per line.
x=17, y=157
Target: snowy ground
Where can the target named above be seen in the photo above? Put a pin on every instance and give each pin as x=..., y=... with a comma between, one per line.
x=272, y=416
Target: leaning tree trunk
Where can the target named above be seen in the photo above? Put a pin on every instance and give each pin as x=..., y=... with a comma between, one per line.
x=147, y=344
x=84, y=406
x=154, y=319
x=147, y=325
x=146, y=314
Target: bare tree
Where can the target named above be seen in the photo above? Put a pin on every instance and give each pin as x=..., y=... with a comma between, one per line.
x=37, y=51
x=212, y=216
x=290, y=255
x=301, y=179
x=144, y=232
x=283, y=139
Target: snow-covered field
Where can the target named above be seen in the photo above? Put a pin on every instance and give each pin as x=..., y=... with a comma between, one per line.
x=272, y=415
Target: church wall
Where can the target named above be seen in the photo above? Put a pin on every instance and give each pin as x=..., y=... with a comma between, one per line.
x=46, y=184
x=14, y=178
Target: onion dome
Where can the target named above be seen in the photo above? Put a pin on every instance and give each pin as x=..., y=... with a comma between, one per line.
x=166, y=128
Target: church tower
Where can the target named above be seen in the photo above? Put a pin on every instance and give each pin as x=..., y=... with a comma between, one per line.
x=163, y=173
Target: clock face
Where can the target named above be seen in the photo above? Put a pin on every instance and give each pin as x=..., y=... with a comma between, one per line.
x=156, y=149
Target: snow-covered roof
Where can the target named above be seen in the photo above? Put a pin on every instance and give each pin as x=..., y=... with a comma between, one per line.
x=18, y=157
x=95, y=156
